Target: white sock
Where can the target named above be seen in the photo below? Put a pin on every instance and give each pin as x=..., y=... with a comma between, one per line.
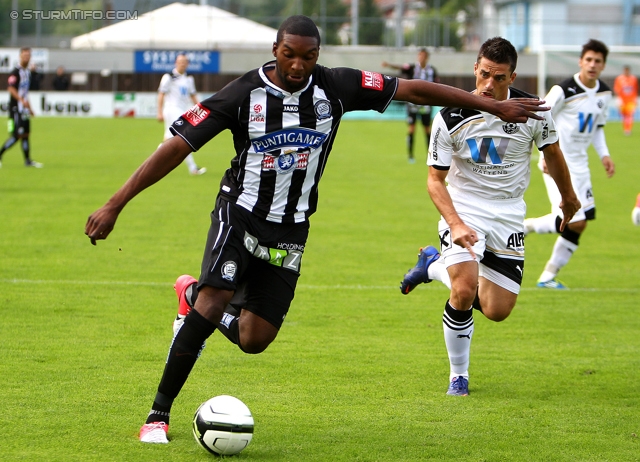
x=562, y=252
x=191, y=163
x=438, y=272
x=542, y=225
x=458, y=330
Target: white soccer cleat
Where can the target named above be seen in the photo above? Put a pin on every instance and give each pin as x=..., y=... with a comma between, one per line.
x=155, y=432
x=199, y=171
x=34, y=164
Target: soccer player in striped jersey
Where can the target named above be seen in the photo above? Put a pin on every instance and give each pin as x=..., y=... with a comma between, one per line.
x=579, y=107
x=479, y=169
x=284, y=117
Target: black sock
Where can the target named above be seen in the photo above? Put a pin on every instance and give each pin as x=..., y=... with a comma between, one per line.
x=185, y=350
x=7, y=144
x=428, y=138
x=229, y=325
x=410, y=145
x=25, y=150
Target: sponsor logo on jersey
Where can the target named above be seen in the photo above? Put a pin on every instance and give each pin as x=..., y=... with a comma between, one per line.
x=196, y=114
x=286, y=162
x=322, y=109
x=372, y=80
x=600, y=103
x=434, y=152
x=516, y=242
x=257, y=115
x=585, y=122
x=456, y=114
x=178, y=122
x=488, y=146
x=510, y=128
x=229, y=270
x=290, y=108
x=545, y=131
x=573, y=90
x=289, y=138
x=285, y=258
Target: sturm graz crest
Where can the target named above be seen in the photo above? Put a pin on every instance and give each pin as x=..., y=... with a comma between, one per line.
x=285, y=163
x=322, y=109
x=510, y=128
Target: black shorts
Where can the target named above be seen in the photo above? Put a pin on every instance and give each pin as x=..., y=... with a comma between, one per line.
x=414, y=111
x=18, y=123
x=258, y=259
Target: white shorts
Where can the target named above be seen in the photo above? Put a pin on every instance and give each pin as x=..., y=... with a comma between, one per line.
x=582, y=187
x=170, y=114
x=500, y=246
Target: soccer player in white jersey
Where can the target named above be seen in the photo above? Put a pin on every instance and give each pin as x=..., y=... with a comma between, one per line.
x=284, y=117
x=486, y=163
x=579, y=107
x=176, y=94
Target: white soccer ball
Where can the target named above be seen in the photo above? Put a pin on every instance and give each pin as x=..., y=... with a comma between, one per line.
x=223, y=425
x=635, y=216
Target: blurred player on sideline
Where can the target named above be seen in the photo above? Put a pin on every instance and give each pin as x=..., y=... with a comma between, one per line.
x=479, y=169
x=579, y=107
x=421, y=70
x=625, y=86
x=284, y=117
x=176, y=94
x=20, y=109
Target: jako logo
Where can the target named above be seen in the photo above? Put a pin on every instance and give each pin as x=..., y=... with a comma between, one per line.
x=487, y=146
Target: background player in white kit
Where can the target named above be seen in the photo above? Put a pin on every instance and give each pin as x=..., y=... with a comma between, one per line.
x=176, y=94
x=486, y=163
x=579, y=107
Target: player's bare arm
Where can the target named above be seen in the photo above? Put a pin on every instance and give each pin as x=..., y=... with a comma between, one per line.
x=517, y=110
x=556, y=166
x=461, y=234
x=168, y=156
x=160, y=116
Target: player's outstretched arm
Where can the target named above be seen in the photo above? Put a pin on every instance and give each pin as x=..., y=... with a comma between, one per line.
x=557, y=168
x=167, y=157
x=435, y=94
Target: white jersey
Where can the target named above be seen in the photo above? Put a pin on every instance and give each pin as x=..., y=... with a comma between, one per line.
x=177, y=89
x=487, y=157
x=578, y=111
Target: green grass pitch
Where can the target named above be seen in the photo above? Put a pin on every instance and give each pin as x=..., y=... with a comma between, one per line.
x=359, y=371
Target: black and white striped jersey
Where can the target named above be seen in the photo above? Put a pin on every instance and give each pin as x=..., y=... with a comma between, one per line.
x=282, y=140
x=487, y=157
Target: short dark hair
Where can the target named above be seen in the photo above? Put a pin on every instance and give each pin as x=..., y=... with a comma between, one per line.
x=298, y=25
x=25, y=49
x=499, y=50
x=596, y=46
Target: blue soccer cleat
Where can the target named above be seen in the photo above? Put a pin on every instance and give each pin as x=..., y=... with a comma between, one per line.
x=459, y=386
x=418, y=274
x=552, y=284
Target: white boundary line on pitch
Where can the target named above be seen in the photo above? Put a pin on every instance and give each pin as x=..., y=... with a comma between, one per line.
x=300, y=286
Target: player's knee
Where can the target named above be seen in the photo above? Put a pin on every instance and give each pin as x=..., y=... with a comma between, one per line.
x=496, y=315
x=254, y=346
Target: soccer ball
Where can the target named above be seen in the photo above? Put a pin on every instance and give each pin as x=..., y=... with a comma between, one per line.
x=635, y=216
x=223, y=425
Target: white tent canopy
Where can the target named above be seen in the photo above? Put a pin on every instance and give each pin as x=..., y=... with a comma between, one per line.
x=179, y=26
